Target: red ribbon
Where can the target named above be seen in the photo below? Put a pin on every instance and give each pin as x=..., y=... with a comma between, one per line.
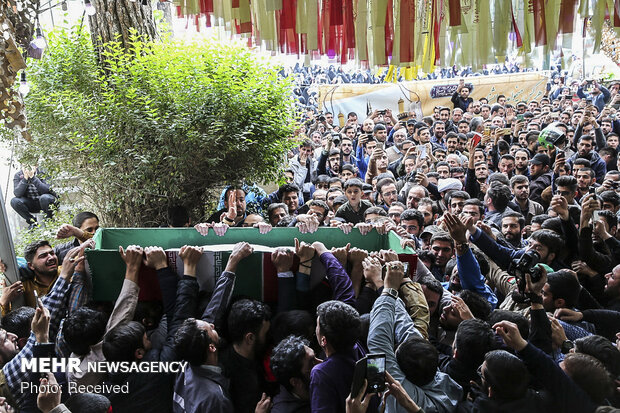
x=407, y=30
x=455, y=12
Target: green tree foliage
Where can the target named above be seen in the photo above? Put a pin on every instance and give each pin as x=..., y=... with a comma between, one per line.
x=165, y=123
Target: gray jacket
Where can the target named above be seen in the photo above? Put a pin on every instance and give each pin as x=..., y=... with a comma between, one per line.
x=390, y=325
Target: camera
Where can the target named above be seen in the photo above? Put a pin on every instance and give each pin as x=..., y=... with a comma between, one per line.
x=526, y=264
x=336, y=139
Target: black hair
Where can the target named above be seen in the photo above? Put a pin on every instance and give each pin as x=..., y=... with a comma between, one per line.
x=286, y=188
x=498, y=177
x=18, y=321
x=354, y=182
x=31, y=249
x=552, y=240
x=474, y=338
x=476, y=202
x=518, y=179
x=382, y=183
x=601, y=349
x=432, y=284
x=500, y=195
x=287, y=359
x=418, y=359
x=295, y=322
x=121, y=343
x=553, y=224
x=457, y=194
x=83, y=328
x=178, y=216
x=513, y=214
x=568, y=181
x=375, y=210
x=563, y=284
x=506, y=374
x=88, y=403
x=540, y=219
x=442, y=236
x=412, y=214
x=478, y=305
x=191, y=342
x=610, y=217
x=505, y=315
x=589, y=374
x=149, y=313
x=79, y=219
x=276, y=205
x=246, y=316
x=610, y=196
x=339, y=323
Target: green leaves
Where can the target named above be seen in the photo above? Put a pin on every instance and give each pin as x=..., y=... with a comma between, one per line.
x=161, y=124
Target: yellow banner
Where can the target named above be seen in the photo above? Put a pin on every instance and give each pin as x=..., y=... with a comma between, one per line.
x=355, y=97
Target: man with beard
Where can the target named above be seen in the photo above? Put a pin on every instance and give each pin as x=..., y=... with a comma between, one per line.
x=248, y=324
x=540, y=177
x=234, y=212
x=346, y=151
x=593, y=250
x=442, y=247
x=512, y=226
x=522, y=159
x=520, y=187
x=585, y=150
x=202, y=387
x=461, y=98
x=291, y=362
x=43, y=263
x=439, y=131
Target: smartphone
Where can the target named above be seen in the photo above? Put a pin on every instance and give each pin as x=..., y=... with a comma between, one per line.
x=560, y=153
x=592, y=190
x=375, y=373
x=595, y=216
x=422, y=150
x=487, y=131
x=520, y=117
x=505, y=131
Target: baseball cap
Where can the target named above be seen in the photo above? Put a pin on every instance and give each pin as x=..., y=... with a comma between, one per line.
x=540, y=159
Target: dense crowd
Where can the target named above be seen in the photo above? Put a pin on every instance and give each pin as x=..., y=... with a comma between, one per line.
x=513, y=306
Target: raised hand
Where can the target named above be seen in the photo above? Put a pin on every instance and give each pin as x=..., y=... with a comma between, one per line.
x=203, y=228
x=357, y=255
x=190, y=256
x=394, y=274
x=263, y=227
x=231, y=213
x=341, y=254
x=364, y=228
x=155, y=257
x=220, y=229
x=304, y=251
x=240, y=251
x=282, y=259
x=509, y=332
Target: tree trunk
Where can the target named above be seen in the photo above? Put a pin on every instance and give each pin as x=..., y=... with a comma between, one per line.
x=114, y=20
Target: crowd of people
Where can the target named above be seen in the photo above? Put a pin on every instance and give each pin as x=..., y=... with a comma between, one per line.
x=514, y=304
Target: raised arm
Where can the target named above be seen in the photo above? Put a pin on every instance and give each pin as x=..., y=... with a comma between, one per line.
x=214, y=313
x=338, y=278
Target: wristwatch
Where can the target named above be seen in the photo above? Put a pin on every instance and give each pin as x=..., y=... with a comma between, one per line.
x=392, y=292
x=567, y=346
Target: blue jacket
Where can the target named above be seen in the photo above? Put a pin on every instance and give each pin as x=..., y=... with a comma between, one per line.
x=472, y=279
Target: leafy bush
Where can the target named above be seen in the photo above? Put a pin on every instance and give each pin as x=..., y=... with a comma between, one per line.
x=165, y=123
x=47, y=230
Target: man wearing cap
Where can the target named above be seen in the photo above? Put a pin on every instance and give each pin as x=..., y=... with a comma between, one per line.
x=540, y=176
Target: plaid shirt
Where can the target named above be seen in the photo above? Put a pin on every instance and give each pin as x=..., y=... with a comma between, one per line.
x=54, y=302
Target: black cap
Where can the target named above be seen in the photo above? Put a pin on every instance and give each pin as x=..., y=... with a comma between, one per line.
x=540, y=159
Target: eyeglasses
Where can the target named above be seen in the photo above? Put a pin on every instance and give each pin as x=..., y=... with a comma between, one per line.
x=391, y=193
x=479, y=371
x=393, y=214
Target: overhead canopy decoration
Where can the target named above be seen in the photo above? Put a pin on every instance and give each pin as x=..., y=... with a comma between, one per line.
x=418, y=34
